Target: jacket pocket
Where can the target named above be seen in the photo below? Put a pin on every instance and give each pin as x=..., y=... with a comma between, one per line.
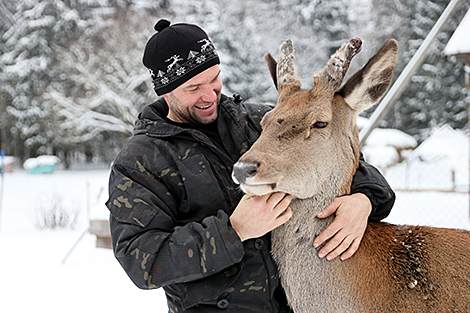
x=207, y=291
x=202, y=185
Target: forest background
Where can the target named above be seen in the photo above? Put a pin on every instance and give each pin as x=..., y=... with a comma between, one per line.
x=72, y=81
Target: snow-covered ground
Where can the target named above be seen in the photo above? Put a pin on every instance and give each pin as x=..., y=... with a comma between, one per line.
x=33, y=276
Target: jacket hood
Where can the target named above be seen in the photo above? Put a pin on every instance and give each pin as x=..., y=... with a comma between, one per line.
x=152, y=114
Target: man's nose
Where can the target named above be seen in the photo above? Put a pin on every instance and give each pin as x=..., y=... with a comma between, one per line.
x=209, y=94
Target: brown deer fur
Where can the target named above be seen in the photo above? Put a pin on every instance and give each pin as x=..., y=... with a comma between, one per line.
x=309, y=148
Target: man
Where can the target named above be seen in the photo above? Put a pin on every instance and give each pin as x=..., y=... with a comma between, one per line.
x=178, y=221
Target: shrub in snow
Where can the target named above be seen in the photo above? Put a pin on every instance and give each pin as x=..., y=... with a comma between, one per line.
x=53, y=213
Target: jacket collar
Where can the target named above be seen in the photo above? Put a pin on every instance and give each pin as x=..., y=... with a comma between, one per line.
x=152, y=120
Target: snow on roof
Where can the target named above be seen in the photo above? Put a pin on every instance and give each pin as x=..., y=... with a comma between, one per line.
x=387, y=137
x=460, y=41
x=444, y=143
x=381, y=148
x=41, y=161
x=391, y=137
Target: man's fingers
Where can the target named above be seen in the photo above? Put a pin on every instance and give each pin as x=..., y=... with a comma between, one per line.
x=328, y=233
x=343, y=245
x=345, y=233
x=282, y=205
x=284, y=217
x=339, y=245
x=275, y=198
x=329, y=209
x=331, y=245
x=352, y=249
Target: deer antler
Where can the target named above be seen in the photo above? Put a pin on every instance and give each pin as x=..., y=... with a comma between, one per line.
x=338, y=65
x=287, y=81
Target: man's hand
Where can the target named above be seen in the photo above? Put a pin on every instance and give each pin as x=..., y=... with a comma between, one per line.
x=348, y=227
x=255, y=216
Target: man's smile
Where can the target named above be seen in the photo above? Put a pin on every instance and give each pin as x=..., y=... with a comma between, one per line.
x=204, y=107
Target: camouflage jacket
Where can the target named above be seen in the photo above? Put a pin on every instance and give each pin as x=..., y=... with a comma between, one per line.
x=171, y=195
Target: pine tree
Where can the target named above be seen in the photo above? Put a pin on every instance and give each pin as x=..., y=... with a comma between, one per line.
x=61, y=57
x=104, y=86
x=40, y=28
x=433, y=96
x=6, y=22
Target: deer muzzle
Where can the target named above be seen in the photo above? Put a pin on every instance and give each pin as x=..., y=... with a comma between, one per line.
x=244, y=174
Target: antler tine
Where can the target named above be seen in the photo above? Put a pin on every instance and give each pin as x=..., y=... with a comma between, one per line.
x=287, y=80
x=339, y=62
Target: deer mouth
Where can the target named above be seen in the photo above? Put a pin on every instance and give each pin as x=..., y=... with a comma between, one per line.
x=245, y=174
x=258, y=189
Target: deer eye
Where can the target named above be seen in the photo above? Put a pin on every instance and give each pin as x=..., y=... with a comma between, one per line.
x=319, y=125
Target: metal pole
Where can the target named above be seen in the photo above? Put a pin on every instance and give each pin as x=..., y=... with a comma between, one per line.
x=75, y=244
x=402, y=81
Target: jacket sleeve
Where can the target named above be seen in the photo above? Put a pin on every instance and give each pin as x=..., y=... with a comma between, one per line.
x=155, y=251
x=369, y=181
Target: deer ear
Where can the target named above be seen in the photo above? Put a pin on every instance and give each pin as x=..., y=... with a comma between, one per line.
x=369, y=84
x=272, y=67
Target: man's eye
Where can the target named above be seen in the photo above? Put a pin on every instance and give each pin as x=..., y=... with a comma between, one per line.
x=319, y=125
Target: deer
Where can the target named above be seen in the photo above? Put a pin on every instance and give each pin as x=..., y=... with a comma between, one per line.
x=309, y=148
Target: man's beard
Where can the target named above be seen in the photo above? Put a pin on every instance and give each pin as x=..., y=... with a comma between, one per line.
x=189, y=117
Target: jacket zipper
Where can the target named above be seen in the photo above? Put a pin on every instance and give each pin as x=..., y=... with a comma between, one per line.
x=224, y=155
x=263, y=256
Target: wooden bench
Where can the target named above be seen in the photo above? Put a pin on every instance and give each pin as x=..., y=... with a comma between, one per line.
x=100, y=228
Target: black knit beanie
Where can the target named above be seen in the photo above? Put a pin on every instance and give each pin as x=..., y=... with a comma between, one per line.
x=177, y=53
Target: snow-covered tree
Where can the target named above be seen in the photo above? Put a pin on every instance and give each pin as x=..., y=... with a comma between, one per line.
x=72, y=81
x=433, y=96
x=37, y=30
x=103, y=87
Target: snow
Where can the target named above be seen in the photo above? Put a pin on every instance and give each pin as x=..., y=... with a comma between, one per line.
x=32, y=273
x=439, y=163
x=383, y=145
x=443, y=143
x=91, y=279
x=382, y=156
x=391, y=137
x=47, y=160
x=460, y=40
x=386, y=136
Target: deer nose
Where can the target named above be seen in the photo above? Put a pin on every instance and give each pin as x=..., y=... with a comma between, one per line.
x=243, y=171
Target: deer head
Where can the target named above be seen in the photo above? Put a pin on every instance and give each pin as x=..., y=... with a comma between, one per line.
x=309, y=143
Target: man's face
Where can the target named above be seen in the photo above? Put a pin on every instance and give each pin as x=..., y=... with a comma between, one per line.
x=196, y=100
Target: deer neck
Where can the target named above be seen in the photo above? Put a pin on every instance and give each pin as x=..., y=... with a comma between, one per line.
x=292, y=248
x=308, y=208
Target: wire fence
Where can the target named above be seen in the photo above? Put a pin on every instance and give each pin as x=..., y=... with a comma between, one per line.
x=63, y=199
x=432, y=183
